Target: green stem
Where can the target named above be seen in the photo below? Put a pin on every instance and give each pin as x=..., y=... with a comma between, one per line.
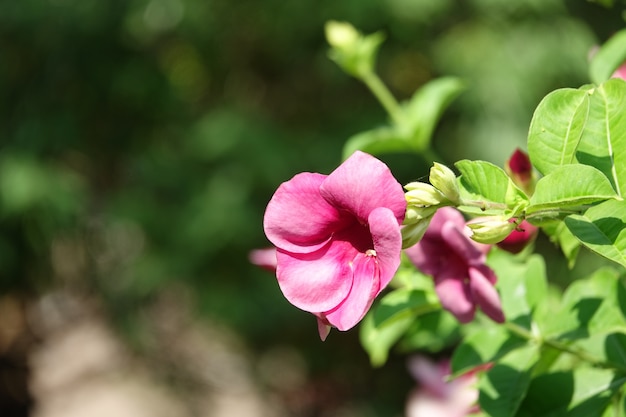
x=384, y=96
x=579, y=353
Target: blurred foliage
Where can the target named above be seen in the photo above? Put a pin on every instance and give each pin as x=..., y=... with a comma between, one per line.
x=141, y=139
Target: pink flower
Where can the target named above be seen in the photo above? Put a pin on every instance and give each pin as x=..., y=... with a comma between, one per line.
x=457, y=263
x=338, y=239
x=437, y=398
x=519, y=238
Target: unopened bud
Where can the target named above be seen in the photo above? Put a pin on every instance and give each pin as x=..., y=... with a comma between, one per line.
x=341, y=35
x=415, y=214
x=492, y=229
x=423, y=195
x=519, y=238
x=519, y=168
x=353, y=52
x=444, y=180
x=413, y=233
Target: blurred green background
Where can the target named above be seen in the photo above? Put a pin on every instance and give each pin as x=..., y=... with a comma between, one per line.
x=141, y=140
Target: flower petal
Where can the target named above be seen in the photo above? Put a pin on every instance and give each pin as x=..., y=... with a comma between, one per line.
x=455, y=297
x=462, y=245
x=317, y=281
x=485, y=294
x=442, y=216
x=361, y=184
x=387, y=239
x=427, y=255
x=298, y=219
x=265, y=258
x=365, y=287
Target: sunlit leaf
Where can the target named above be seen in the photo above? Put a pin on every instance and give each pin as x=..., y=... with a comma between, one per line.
x=556, y=128
x=483, y=346
x=485, y=181
x=571, y=185
x=504, y=386
x=601, y=229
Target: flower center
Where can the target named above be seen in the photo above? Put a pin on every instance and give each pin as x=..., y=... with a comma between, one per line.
x=370, y=252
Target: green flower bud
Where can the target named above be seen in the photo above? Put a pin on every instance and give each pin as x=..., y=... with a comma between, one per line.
x=444, y=180
x=415, y=214
x=413, y=233
x=421, y=194
x=352, y=51
x=490, y=230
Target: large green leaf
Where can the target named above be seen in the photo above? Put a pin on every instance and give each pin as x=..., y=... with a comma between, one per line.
x=522, y=284
x=586, y=126
x=608, y=58
x=601, y=229
x=556, y=128
x=603, y=141
x=485, y=181
x=568, y=186
x=589, y=306
x=504, y=386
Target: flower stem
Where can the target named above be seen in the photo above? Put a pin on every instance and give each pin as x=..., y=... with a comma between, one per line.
x=384, y=96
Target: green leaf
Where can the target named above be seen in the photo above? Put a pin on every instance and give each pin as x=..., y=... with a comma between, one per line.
x=601, y=229
x=486, y=345
x=376, y=142
x=432, y=332
x=556, y=129
x=522, y=284
x=593, y=389
x=560, y=234
x=608, y=58
x=485, y=181
x=390, y=318
x=588, y=306
x=603, y=141
x=570, y=186
x=404, y=302
x=504, y=386
x=424, y=109
x=378, y=340
x=586, y=126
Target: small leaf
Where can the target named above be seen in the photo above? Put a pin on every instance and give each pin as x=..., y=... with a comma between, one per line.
x=570, y=186
x=376, y=142
x=403, y=302
x=608, y=58
x=425, y=108
x=390, y=318
x=556, y=128
x=377, y=341
x=601, y=229
x=486, y=181
x=504, y=386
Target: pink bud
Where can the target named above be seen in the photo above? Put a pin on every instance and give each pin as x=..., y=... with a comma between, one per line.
x=519, y=238
x=620, y=72
x=520, y=170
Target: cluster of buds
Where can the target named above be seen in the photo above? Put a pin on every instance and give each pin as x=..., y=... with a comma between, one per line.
x=423, y=200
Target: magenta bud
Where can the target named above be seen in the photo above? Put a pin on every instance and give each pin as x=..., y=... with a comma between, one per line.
x=520, y=170
x=519, y=238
